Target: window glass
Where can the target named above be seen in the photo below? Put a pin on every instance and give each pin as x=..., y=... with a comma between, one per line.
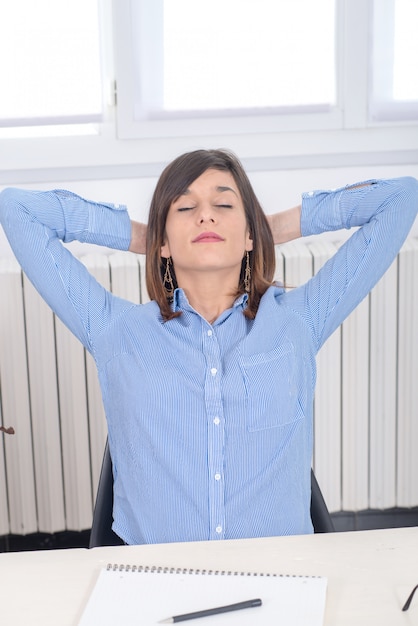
x=50, y=62
x=405, y=67
x=394, y=87
x=238, y=54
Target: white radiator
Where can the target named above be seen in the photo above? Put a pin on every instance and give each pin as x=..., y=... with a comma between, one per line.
x=366, y=405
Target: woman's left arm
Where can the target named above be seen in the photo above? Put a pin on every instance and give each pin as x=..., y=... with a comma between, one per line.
x=285, y=225
x=383, y=212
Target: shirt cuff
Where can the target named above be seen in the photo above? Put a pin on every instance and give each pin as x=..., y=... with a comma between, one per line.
x=331, y=210
x=103, y=224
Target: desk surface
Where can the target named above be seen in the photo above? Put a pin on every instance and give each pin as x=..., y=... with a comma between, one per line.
x=370, y=573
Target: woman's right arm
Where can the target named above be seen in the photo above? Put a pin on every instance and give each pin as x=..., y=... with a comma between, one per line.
x=138, y=237
x=37, y=223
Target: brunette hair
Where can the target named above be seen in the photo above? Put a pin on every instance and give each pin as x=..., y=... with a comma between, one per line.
x=173, y=182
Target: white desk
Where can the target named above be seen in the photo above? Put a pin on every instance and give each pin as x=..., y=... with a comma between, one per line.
x=370, y=574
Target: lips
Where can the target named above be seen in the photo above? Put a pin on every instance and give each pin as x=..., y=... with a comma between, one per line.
x=207, y=237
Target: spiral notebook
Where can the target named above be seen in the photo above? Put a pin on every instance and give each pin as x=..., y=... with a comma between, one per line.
x=145, y=596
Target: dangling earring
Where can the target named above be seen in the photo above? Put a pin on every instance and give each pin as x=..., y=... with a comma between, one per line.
x=168, y=279
x=247, y=274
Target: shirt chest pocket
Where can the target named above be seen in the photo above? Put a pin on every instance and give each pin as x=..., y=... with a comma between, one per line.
x=270, y=380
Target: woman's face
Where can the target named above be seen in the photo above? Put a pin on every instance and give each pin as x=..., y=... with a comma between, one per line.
x=206, y=228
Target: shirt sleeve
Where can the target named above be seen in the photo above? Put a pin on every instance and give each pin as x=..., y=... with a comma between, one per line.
x=36, y=224
x=384, y=212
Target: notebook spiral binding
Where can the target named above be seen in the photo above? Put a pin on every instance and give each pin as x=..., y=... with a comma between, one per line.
x=155, y=569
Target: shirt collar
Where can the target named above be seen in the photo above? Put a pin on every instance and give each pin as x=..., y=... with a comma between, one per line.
x=181, y=303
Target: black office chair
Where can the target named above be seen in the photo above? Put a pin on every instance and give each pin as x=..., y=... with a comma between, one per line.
x=102, y=534
x=321, y=519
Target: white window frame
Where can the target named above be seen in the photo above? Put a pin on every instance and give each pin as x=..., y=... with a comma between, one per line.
x=149, y=121
x=343, y=128
x=356, y=107
x=340, y=138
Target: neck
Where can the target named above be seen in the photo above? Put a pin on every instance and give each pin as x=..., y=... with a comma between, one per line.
x=209, y=296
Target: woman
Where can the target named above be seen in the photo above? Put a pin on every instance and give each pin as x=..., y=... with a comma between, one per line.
x=208, y=388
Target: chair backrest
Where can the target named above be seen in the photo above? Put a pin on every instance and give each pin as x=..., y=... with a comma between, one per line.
x=321, y=519
x=101, y=531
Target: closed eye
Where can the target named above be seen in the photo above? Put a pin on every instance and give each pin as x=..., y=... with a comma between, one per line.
x=218, y=206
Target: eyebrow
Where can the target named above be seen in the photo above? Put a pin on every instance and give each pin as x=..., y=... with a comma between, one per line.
x=219, y=188
x=222, y=189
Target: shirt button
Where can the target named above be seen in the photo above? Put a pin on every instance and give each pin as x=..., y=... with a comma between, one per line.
x=310, y=193
x=218, y=529
x=217, y=421
x=210, y=333
x=213, y=371
x=217, y=477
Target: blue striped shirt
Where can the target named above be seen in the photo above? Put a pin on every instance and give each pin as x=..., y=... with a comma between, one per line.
x=210, y=426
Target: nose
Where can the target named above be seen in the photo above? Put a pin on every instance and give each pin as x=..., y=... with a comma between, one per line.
x=206, y=214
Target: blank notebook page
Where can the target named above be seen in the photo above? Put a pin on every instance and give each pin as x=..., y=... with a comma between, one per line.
x=130, y=596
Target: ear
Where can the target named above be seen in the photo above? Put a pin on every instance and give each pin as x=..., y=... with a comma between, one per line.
x=165, y=250
x=248, y=242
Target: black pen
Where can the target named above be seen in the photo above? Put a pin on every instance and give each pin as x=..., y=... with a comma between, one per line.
x=248, y=604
